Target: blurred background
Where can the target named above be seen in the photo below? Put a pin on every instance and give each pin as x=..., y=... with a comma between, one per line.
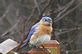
x=17, y=17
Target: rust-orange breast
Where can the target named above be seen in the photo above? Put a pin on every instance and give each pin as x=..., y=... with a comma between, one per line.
x=42, y=30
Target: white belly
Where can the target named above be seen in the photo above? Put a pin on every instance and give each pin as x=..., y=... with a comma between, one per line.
x=40, y=40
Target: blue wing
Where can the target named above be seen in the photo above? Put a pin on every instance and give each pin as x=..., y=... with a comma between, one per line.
x=33, y=29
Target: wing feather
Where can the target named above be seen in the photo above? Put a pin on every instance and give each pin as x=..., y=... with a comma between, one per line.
x=33, y=29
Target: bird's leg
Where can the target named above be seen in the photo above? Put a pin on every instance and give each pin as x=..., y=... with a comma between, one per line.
x=37, y=47
x=42, y=46
x=45, y=49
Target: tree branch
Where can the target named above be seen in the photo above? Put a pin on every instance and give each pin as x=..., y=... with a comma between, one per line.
x=68, y=30
x=9, y=30
x=69, y=11
x=37, y=5
x=6, y=12
x=45, y=8
x=65, y=8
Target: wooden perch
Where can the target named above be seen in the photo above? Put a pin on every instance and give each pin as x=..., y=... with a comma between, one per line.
x=9, y=44
x=52, y=44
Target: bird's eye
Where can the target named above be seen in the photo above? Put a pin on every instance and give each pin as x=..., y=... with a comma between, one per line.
x=45, y=20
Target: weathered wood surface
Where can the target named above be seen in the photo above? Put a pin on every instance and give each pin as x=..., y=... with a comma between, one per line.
x=7, y=46
x=50, y=44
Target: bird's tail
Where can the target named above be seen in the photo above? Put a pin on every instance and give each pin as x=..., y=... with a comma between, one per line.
x=28, y=48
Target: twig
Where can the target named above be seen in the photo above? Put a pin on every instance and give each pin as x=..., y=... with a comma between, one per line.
x=37, y=5
x=25, y=25
x=32, y=13
x=71, y=10
x=25, y=22
x=59, y=9
x=6, y=12
x=29, y=18
x=65, y=8
x=6, y=32
x=68, y=30
x=45, y=8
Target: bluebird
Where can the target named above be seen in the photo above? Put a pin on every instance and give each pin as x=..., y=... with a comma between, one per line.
x=39, y=33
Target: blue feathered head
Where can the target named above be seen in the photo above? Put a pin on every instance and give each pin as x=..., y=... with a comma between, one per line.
x=46, y=20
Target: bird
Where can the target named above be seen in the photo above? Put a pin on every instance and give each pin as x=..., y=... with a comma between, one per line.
x=39, y=33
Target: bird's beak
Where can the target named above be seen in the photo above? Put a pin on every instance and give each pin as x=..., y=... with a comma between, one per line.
x=50, y=21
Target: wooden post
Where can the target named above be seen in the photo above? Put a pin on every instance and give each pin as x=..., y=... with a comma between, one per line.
x=52, y=45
